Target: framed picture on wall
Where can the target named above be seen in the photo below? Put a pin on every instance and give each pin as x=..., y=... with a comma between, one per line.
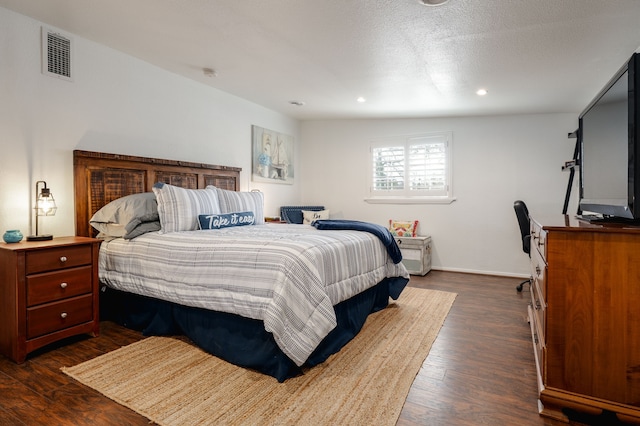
x=272, y=156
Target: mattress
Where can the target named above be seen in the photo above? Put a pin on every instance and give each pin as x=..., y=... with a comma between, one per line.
x=288, y=276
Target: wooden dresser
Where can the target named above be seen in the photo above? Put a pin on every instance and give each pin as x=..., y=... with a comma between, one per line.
x=48, y=291
x=585, y=317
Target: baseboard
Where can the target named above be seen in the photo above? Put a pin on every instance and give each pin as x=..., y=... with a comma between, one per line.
x=477, y=272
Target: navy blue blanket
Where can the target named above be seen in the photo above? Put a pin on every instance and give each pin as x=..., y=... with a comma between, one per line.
x=379, y=231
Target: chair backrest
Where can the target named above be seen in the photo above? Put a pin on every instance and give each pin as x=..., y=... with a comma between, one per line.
x=522, y=213
x=293, y=214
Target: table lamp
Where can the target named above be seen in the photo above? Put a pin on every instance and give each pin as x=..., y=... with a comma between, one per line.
x=45, y=206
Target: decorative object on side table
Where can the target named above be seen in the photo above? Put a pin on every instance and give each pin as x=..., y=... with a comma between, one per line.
x=45, y=206
x=273, y=219
x=403, y=228
x=12, y=236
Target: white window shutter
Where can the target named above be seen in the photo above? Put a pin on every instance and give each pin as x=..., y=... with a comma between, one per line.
x=416, y=166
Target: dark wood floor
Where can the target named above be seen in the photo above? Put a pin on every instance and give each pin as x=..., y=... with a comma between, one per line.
x=480, y=369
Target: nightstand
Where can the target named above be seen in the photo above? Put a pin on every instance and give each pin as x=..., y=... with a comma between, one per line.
x=48, y=291
x=416, y=254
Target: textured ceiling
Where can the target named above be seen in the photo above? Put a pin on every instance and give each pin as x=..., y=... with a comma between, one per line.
x=405, y=58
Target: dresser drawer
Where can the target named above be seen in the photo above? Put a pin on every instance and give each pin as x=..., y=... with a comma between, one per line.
x=56, y=316
x=539, y=240
x=52, y=286
x=539, y=275
x=57, y=258
x=538, y=340
x=539, y=311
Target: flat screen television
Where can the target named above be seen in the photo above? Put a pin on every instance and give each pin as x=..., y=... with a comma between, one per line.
x=609, y=139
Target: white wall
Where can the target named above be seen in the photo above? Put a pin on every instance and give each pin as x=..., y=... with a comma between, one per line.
x=496, y=160
x=118, y=104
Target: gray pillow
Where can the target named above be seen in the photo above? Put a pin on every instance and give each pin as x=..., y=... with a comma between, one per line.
x=122, y=216
x=142, y=228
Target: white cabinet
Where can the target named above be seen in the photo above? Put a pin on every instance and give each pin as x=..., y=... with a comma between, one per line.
x=416, y=254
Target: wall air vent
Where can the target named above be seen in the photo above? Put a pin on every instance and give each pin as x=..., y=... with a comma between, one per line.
x=56, y=54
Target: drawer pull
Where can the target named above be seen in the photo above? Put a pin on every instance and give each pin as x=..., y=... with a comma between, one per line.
x=63, y=285
x=63, y=315
x=63, y=259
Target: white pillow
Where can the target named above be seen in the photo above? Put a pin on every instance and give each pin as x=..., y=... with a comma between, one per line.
x=309, y=216
x=179, y=208
x=232, y=201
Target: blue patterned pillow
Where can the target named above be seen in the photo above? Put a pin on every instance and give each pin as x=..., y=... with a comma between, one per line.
x=217, y=221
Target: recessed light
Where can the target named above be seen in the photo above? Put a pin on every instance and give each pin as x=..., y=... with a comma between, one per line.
x=361, y=100
x=433, y=2
x=209, y=72
x=481, y=92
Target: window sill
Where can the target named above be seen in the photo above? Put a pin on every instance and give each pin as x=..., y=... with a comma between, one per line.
x=410, y=200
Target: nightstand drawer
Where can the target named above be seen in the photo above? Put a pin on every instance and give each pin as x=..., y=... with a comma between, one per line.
x=52, y=286
x=59, y=315
x=57, y=258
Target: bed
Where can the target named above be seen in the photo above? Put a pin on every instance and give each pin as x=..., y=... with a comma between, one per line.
x=277, y=298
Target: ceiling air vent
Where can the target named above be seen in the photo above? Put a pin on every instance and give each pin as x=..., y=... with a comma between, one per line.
x=56, y=54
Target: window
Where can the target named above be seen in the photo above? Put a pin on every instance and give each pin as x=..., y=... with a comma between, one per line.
x=411, y=169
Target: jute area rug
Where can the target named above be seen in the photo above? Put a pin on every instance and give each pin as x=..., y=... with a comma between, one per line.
x=172, y=382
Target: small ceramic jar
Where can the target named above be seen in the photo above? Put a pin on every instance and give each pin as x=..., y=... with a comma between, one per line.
x=12, y=236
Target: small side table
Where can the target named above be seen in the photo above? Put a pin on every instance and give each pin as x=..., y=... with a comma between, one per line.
x=416, y=254
x=48, y=291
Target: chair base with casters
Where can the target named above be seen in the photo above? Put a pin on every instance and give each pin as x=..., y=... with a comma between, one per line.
x=521, y=285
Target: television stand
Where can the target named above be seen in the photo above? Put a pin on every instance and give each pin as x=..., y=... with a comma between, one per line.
x=584, y=317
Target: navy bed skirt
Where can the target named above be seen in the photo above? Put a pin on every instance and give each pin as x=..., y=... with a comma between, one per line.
x=239, y=340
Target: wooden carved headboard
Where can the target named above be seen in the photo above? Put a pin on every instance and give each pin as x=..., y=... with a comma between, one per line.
x=100, y=178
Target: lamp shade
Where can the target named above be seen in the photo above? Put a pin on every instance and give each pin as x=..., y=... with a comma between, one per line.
x=45, y=206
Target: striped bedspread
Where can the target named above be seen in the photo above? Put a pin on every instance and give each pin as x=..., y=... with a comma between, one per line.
x=288, y=276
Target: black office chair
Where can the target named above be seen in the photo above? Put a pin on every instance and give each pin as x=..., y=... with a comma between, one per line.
x=522, y=213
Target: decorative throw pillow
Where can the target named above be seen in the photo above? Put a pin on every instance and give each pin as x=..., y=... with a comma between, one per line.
x=123, y=215
x=226, y=220
x=233, y=201
x=309, y=216
x=179, y=208
x=403, y=228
